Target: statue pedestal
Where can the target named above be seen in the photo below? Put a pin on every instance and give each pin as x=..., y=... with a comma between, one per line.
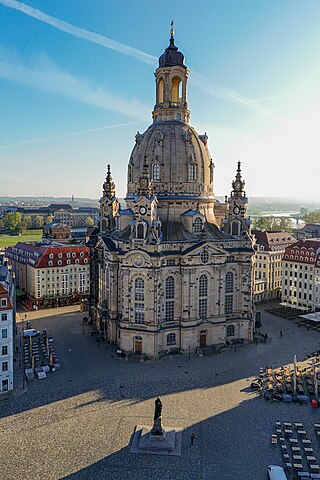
x=167, y=443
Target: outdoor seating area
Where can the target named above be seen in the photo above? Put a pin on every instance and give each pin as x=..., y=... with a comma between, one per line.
x=290, y=384
x=300, y=455
x=39, y=356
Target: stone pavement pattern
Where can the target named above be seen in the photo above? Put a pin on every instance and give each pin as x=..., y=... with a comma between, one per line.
x=78, y=422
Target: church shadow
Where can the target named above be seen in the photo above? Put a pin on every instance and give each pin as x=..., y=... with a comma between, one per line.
x=91, y=373
x=234, y=444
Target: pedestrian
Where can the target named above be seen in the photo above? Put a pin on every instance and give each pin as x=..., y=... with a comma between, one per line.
x=192, y=438
x=281, y=333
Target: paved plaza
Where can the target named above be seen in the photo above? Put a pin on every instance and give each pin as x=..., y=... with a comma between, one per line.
x=78, y=422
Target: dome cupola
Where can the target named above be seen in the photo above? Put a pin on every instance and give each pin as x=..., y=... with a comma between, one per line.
x=171, y=55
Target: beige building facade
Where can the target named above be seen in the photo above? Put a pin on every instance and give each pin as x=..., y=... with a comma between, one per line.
x=172, y=272
x=270, y=247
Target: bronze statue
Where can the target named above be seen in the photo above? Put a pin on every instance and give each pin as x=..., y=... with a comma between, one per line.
x=157, y=408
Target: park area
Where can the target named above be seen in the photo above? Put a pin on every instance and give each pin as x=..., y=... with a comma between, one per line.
x=12, y=240
x=78, y=423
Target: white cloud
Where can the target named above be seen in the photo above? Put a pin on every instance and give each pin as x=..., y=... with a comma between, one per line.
x=45, y=75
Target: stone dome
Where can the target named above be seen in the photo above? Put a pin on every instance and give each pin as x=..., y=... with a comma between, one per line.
x=178, y=159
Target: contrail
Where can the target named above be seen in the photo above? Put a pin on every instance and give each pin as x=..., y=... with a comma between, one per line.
x=80, y=32
x=71, y=134
x=205, y=85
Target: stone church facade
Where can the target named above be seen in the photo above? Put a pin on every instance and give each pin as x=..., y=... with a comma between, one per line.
x=173, y=271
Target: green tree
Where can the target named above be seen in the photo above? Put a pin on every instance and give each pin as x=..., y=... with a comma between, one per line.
x=26, y=222
x=303, y=211
x=272, y=223
x=38, y=221
x=12, y=220
x=49, y=219
x=89, y=222
x=312, y=217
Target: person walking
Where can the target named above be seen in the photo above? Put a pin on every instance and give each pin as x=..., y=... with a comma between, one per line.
x=281, y=334
x=192, y=438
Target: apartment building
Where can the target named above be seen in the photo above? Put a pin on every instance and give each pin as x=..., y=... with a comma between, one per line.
x=7, y=323
x=270, y=247
x=301, y=275
x=51, y=274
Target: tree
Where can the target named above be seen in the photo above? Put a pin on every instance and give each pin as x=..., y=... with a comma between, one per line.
x=272, y=223
x=25, y=222
x=89, y=222
x=49, y=219
x=38, y=221
x=12, y=220
x=312, y=217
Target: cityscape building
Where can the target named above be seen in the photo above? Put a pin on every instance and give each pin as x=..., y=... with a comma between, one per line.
x=7, y=325
x=270, y=247
x=51, y=274
x=301, y=275
x=60, y=213
x=174, y=270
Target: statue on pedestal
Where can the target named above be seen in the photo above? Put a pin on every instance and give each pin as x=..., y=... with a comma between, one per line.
x=157, y=428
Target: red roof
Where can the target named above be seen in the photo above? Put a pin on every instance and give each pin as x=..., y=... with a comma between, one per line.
x=39, y=254
x=304, y=251
x=5, y=294
x=270, y=238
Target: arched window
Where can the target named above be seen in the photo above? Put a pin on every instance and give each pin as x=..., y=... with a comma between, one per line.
x=203, y=295
x=191, y=172
x=130, y=173
x=229, y=282
x=169, y=299
x=176, y=90
x=198, y=225
x=235, y=229
x=140, y=230
x=139, y=300
x=103, y=225
x=171, y=339
x=228, y=306
x=160, y=90
x=230, y=331
x=156, y=171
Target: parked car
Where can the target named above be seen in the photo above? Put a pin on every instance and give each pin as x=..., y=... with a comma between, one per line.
x=276, y=473
x=31, y=332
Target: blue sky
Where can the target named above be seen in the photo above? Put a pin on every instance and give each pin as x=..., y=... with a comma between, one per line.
x=70, y=68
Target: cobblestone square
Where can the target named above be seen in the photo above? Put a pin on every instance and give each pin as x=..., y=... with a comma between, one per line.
x=78, y=422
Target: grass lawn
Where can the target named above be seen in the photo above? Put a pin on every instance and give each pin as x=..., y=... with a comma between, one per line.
x=11, y=240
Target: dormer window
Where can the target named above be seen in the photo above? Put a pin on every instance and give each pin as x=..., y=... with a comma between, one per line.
x=156, y=172
x=198, y=225
x=50, y=255
x=59, y=255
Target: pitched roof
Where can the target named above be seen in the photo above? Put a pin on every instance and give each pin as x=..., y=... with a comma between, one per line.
x=271, y=239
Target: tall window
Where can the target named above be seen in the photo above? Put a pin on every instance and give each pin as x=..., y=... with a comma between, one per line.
x=191, y=172
x=203, y=296
x=140, y=231
x=169, y=299
x=176, y=92
x=229, y=293
x=160, y=90
x=156, y=171
x=198, y=225
x=139, y=300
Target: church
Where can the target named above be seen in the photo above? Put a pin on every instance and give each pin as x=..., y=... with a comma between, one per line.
x=174, y=270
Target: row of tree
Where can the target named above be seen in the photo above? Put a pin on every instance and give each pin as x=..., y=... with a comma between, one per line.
x=15, y=221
